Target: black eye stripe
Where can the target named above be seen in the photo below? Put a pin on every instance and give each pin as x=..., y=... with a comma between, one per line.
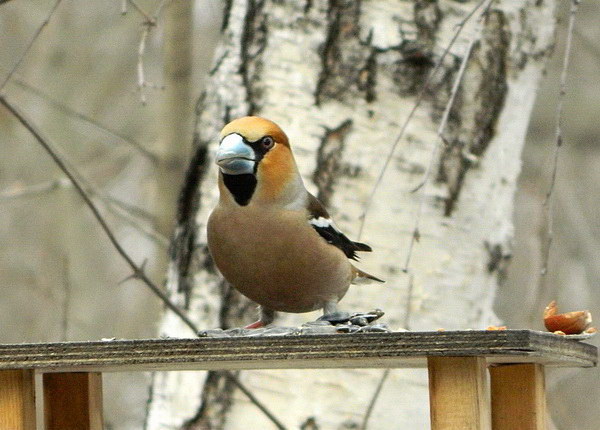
x=259, y=148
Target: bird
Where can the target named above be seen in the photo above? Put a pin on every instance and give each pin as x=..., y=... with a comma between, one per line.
x=269, y=237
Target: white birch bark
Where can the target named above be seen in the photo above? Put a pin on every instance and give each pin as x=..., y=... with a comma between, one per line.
x=340, y=77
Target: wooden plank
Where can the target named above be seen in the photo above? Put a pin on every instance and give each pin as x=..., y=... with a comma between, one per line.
x=73, y=401
x=17, y=400
x=458, y=395
x=518, y=397
x=362, y=350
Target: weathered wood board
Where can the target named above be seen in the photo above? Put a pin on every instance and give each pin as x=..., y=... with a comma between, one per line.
x=368, y=350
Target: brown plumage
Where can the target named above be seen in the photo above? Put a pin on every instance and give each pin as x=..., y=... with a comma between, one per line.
x=269, y=237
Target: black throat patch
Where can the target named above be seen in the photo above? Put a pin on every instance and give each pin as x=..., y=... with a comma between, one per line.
x=240, y=186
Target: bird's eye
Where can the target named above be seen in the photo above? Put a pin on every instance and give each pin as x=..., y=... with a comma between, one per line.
x=267, y=142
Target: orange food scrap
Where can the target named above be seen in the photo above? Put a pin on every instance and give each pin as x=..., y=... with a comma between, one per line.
x=568, y=323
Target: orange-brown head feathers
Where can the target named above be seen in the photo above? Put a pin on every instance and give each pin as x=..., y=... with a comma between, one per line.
x=253, y=128
x=256, y=162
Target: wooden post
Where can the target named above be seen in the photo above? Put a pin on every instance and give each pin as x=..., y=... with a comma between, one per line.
x=17, y=400
x=518, y=397
x=458, y=396
x=73, y=401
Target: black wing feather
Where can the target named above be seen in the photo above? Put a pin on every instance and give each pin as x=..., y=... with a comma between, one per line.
x=319, y=219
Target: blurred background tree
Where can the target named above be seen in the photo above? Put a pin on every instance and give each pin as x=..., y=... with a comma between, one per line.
x=79, y=82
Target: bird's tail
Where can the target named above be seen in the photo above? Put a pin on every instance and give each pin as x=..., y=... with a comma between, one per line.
x=361, y=277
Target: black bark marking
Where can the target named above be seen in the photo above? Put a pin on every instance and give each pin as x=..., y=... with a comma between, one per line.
x=252, y=44
x=348, y=65
x=218, y=389
x=235, y=308
x=475, y=114
x=329, y=156
x=427, y=16
x=308, y=4
x=367, y=77
x=310, y=424
x=417, y=54
x=183, y=245
x=226, y=14
x=216, y=402
x=218, y=63
x=498, y=260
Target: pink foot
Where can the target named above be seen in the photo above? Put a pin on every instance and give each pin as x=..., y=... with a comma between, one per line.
x=257, y=324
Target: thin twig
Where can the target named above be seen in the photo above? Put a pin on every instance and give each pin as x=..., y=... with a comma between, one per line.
x=437, y=144
x=29, y=45
x=386, y=372
x=458, y=30
x=148, y=231
x=409, y=297
x=66, y=301
x=128, y=213
x=32, y=190
x=150, y=21
x=138, y=272
x=254, y=400
x=140, y=63
x=558, y=137
x=589, y=45
x=149, y=155
x=374, y=399
x=141, y=11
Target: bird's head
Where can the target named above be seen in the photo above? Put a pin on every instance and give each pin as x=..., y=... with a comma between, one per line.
x=246, y=142
x=254, y=153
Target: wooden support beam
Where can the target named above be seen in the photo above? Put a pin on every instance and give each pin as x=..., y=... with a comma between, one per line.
x=518, y=397
x=458, y=395
x=17, y=400
x=73, y=401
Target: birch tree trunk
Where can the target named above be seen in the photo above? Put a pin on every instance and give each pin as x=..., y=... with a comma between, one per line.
x=340, y=77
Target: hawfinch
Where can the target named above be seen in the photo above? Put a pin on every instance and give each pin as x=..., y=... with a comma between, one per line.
x=270, y=238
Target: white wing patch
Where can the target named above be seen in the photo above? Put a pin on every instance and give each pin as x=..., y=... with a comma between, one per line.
x=322, y=222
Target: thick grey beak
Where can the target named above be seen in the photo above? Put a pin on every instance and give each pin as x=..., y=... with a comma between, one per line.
x=234, y=157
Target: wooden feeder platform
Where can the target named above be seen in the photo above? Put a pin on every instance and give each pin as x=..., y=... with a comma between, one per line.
x=457, y=361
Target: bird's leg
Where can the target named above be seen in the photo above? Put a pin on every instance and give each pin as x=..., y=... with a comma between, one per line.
x=332, y=315
x=266, y=317
x=330, y=308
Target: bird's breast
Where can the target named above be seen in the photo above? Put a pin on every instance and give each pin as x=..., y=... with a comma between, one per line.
x=275, y=258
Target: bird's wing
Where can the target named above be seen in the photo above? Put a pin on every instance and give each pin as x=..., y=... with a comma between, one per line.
x=320, y=220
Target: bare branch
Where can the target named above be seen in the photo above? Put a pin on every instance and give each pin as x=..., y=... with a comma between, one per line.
x=116, y=208
x=588, y=44
x=137, y=270
x=29, y=45
x=140, y=63
x=374, y=399
x=254, y=400
x=149, y=23
x=18, y=192
x=67, y=300
x=149, y=155
x=558, y=137
x=459, y=28
x=386, y=373
x=139, y=10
